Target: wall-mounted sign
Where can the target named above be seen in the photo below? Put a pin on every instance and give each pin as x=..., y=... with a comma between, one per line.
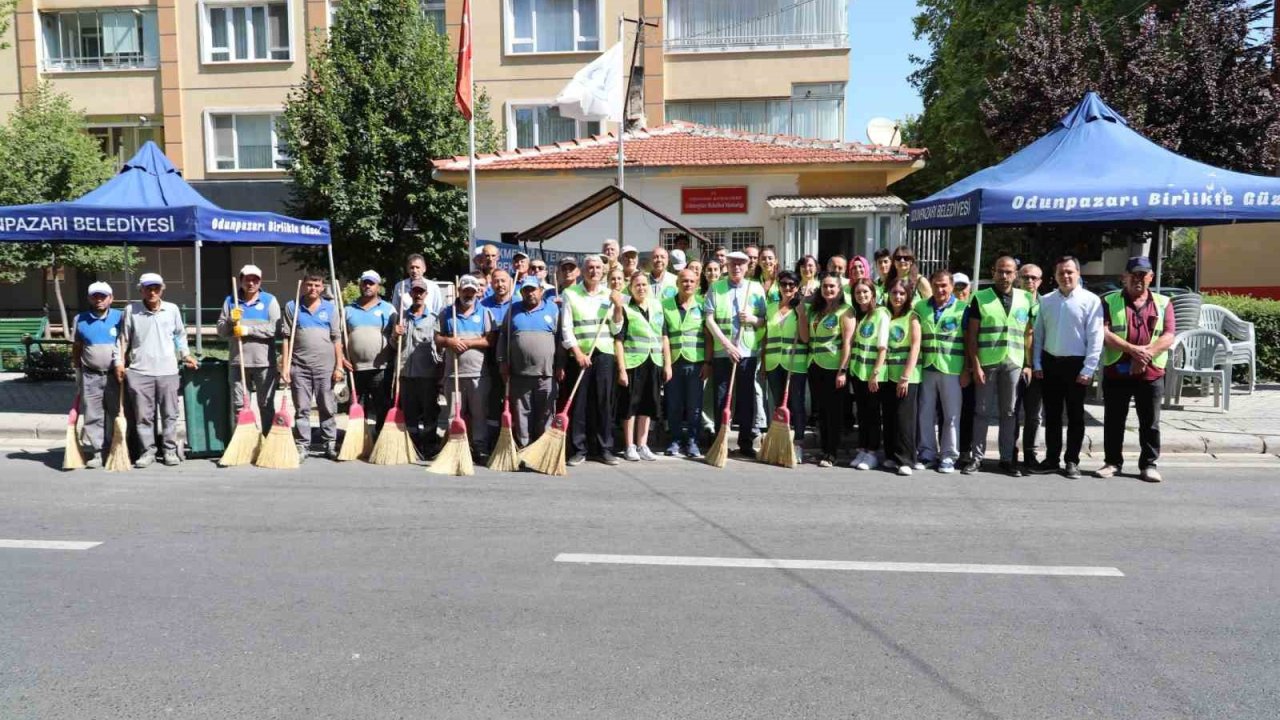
x=708, y=200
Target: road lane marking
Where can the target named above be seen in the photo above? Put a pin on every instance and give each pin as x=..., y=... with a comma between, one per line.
x=47, y=544
x=775, y=564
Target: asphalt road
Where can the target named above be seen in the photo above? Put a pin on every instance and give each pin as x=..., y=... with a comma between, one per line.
x=355, y=592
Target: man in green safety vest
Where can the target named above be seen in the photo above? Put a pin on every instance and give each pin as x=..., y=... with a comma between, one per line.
x=997, y=336
x=687, y=339
x=586, y=306
x=1138, y=329
x=942, y=358
x=735, y=310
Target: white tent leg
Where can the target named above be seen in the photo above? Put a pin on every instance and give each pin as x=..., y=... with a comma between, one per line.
x=333, y=276
x=199, y=309
x=1159, y=256
x=977, y=259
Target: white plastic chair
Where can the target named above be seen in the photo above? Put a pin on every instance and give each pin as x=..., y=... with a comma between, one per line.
x=1244, y=344
x=1194, y=356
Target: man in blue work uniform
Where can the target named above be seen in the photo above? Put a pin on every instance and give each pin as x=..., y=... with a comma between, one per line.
x=256, y=321
x=315, y=364
x=527, y=355
x=94, y=353
x=369, y=320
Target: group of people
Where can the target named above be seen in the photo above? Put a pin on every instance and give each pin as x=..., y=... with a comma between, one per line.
x=921, y=366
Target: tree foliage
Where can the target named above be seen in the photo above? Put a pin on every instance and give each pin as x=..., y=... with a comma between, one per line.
x=376, y=108
x=46, y=156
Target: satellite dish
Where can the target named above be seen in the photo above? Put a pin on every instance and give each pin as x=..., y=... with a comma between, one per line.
x=883, y=131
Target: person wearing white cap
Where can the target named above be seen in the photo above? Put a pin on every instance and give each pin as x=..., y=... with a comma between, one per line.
x=519, y=264
x=255, y=319
x=154, y=339
x=585, y=307
x=315, y=364
x=678, y=260
x=463, y=334
x=662, y=284
x=1030, y=395
x=630, y=260
x=415, y=267
x=369, y=321
x=95, y=353
x=735, y=310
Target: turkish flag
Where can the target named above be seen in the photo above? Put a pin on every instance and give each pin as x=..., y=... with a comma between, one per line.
x=462, y=89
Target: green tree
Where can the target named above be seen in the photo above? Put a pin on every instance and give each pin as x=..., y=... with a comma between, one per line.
x=46, y=156
x=376, y=108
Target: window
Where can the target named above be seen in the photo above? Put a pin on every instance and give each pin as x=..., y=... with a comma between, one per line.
x=122, y=142
x=242, y=32
x=737, y=238
x=533, y=125
x=121, y=39
x=244, y=141
x=815, y=110
x=720, y=25
x=543, y=26
x=432, y=10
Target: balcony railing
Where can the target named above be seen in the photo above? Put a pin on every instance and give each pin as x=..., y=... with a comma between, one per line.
x=758, y=42
x=125, y=61
x=736, y=25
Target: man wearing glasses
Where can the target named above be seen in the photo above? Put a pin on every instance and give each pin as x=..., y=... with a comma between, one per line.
x=369, y=320
x=255, y=319
x=1030, y=277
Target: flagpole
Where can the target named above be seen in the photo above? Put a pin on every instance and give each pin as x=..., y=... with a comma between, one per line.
x=471, y=147
x=622, y=128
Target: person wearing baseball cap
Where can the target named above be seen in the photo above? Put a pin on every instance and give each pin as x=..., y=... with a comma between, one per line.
x=735, y=311
x=519, y=264
x=419, y=369
x=527, y=356
x=630, y=261
x=154, y=339
x=1030, y=394
x=678, y=260
x=498, y=302
x=94, y=354
x=255, y=319
x=1138, y=330
x=464, y=333
x=369, y=321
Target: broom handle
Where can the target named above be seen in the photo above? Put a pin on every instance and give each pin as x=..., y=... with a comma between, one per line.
x=733, y=374
x=293, y=332
x=395, y=384
x=457, y=392
x=595, y=341
x=244, y=380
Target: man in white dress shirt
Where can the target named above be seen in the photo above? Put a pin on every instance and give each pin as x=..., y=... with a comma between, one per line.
x=1068, y=347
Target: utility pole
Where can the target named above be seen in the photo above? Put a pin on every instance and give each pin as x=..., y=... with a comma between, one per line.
x=636, y=50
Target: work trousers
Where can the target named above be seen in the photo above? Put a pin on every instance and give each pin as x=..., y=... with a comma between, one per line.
x=996, y=402
x=313, y=386
x=762, y=419
x=1032, y=403
x=473, y=394
x=373, y=391
x=939, y=388
x=420, y=403
x=743, y=411
x=795, y=401
x=684, y=402
x=262, y=380
x=591, y=431
x=147, y=393
x=1147, y=396
x=868, y=415
x=99, y=403
x=898, y=419
x=1060, y=390
x=828, y=408
x=532, y=399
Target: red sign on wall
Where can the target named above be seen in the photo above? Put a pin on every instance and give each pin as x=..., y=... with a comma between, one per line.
x=707, y=200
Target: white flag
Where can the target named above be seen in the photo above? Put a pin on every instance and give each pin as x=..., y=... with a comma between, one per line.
x=597, y=91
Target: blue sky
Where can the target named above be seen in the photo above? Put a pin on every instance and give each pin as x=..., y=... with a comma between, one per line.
x=880, y=43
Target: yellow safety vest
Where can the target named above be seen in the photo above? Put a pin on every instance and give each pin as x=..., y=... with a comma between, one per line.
x=1120, y=326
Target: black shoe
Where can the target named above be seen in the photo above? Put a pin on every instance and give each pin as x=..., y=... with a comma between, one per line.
x=748, y=453
x=1072, y=472
x=608, y=458
x=1010, y=468
x=331, y=451
x=577, y=459
x=970, y=467
x=1046, y=467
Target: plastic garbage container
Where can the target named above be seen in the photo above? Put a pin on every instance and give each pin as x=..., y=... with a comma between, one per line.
x=206, y=400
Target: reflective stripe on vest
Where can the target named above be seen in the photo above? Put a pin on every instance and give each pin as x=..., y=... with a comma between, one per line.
x=1116, y=308
x=643, y=340
x=746, y=294
x=587, y=316
x=685, y=334
x=826, y=337
x=941, y=341
x=1002, y=336
x=895, y=359
x=782, y=345
x=862, y=360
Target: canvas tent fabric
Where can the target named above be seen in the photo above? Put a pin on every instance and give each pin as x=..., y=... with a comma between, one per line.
x=1093, y=168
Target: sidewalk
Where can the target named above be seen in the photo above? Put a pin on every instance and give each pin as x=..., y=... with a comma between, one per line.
x=39, y=410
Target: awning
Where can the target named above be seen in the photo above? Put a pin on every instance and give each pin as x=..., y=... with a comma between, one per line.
x=583, y=209
x=818, y=204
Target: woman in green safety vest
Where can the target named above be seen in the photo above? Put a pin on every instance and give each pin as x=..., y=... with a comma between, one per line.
x=807, y=269
x=830, y=334
x=767, y=273
x=643, y=353
x=905, y=268
x=902, y=380
x=866, y=365
x=786, y=351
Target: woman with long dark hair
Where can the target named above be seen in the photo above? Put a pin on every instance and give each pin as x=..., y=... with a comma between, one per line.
x=767, y=273
x=866, y=364
x=807, y=269
x=830, y=333
x=905, y=268
x=902, y=380
x=786, y=350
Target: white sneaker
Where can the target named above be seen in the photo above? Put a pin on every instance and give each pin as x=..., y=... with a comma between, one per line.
x=869, y=462
x=918, y=465
x=858, y=457
x=946, y=467
x=631, y=455
x=799, y=454
x=645, y=453
x=904, y=470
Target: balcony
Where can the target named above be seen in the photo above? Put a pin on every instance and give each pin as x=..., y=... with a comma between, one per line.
x=93, y=40
x=754, y=25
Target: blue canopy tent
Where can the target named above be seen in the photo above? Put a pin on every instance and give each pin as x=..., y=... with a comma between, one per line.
x=1093, y=168
x=149, y=203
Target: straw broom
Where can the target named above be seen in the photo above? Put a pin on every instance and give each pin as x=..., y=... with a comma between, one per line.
x=546, y=454
x=776, y=448
x=455, y=456
x=278, y=450
x=718, y=453
x=243, y=448
x=72, y=456
x=506, y=454
x=118, y=456
x=357, y=443
x=395, y=445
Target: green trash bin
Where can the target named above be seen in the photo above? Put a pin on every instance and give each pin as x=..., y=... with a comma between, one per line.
x=206, y=399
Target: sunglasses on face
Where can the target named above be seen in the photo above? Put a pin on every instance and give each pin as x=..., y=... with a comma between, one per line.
x=1030, y=277
x=787, y=286
x=904, y=258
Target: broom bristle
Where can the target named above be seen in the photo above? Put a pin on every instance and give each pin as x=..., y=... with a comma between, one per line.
x=546, y=454
x=776, y=448
x=506, y=455
x=72, y=457
x=718, y=453
x=243, y=448
x=118, y=456
x=356, y=442
x=278, y=451
x=455, y=456
x=395, y=445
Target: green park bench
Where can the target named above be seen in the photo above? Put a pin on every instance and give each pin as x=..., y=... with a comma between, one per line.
x=13, y=351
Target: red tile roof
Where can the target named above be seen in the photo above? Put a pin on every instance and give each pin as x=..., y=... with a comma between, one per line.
x=683, y=144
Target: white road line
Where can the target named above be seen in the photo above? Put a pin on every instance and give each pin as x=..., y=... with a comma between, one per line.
x=47, y=544
x=774, y=564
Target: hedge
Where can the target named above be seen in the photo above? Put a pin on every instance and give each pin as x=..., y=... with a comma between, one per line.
x=1265, y=316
